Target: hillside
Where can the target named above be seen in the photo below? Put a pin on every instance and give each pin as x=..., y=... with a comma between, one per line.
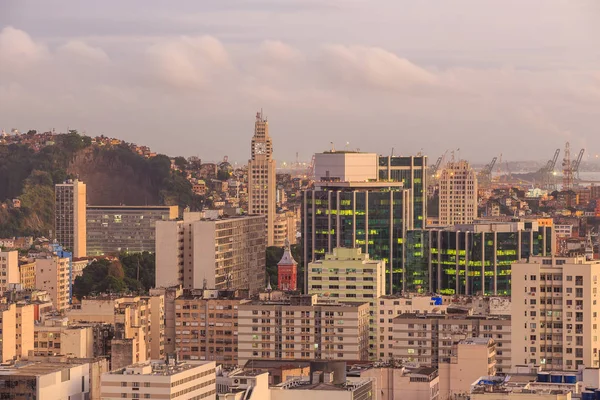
x=113, y=175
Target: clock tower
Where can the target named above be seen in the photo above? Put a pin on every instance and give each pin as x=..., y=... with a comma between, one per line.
x=261, y=175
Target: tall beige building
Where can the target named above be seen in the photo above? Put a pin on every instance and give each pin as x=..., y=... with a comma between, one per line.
x=70, y=216
x=52, y=275
x=261, y=176
x=349, y=275
x=555, y=312
x=16, y=331
x=303, y=329
x=221, y=253
x=458, y=194
x=9, y=269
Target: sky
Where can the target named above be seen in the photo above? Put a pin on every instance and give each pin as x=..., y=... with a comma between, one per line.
x=186, y=77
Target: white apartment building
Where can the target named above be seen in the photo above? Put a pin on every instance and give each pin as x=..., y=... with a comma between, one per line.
x=53, y=274
x=161, y=380
x=70, y=203
x=219, y=253
x=9, y=269
x=349, y=275
x=458, y=194
x=303, y=329
x=555, y=312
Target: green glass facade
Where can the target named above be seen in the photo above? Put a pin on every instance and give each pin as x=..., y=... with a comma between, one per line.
x=471, y=259
x=374, y=218
x=412, y=171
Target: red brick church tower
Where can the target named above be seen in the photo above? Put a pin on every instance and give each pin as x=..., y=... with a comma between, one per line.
x=287, y=270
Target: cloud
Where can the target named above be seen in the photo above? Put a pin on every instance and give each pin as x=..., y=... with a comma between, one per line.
x=373, y=67
x=18, y=52
x=277, y=51
x=188, y=62
x=81, y=50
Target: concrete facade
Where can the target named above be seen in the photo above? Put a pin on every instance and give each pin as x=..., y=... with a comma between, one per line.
x=131, y=229
x=161, y=380
x=9, y=269
x=303, y=329
x=555, y=312
x=70, y=216
x=227, y=253
x=458, y=194
x=53, y=274
x=349, y=275
x=207, y=326
x=346, y=166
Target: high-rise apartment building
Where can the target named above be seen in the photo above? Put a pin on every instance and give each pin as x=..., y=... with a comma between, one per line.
x=221, y=253
x=207, y=325
x=9, y=269
x=458, y=194
x=69, y=216
x=472, y=259
x=53, y=274
x=555, y=312
x=373, y=216
x=261, y=176
x=349, y=275
x=287, y=270
x=303, y=329
x=430, y=339
x=131, y=229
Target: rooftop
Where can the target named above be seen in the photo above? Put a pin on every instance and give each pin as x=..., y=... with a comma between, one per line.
x=157, y=368
x=28, y=368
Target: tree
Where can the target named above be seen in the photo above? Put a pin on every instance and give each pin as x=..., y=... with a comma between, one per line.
x=223, y=175
x=181, y=163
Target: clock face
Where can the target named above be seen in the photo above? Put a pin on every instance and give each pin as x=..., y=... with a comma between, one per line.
x=260, y=148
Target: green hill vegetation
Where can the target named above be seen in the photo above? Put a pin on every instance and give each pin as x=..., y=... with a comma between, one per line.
x=132, y=273
x=113, y=175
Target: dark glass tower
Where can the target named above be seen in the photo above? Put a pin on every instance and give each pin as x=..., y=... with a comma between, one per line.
x=472, y=259
x=371, y=215
x=412, y=172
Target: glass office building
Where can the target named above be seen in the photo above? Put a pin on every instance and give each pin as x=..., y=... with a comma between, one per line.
x=471, y=259
x=412, y=172
x=374, y=216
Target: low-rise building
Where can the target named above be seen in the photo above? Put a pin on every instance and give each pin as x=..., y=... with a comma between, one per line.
x=391, y=381
x=302, y=328
x=138, y=322
x=46, y=380
x=161, y=380
x=469, y=358
x=56, y=337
